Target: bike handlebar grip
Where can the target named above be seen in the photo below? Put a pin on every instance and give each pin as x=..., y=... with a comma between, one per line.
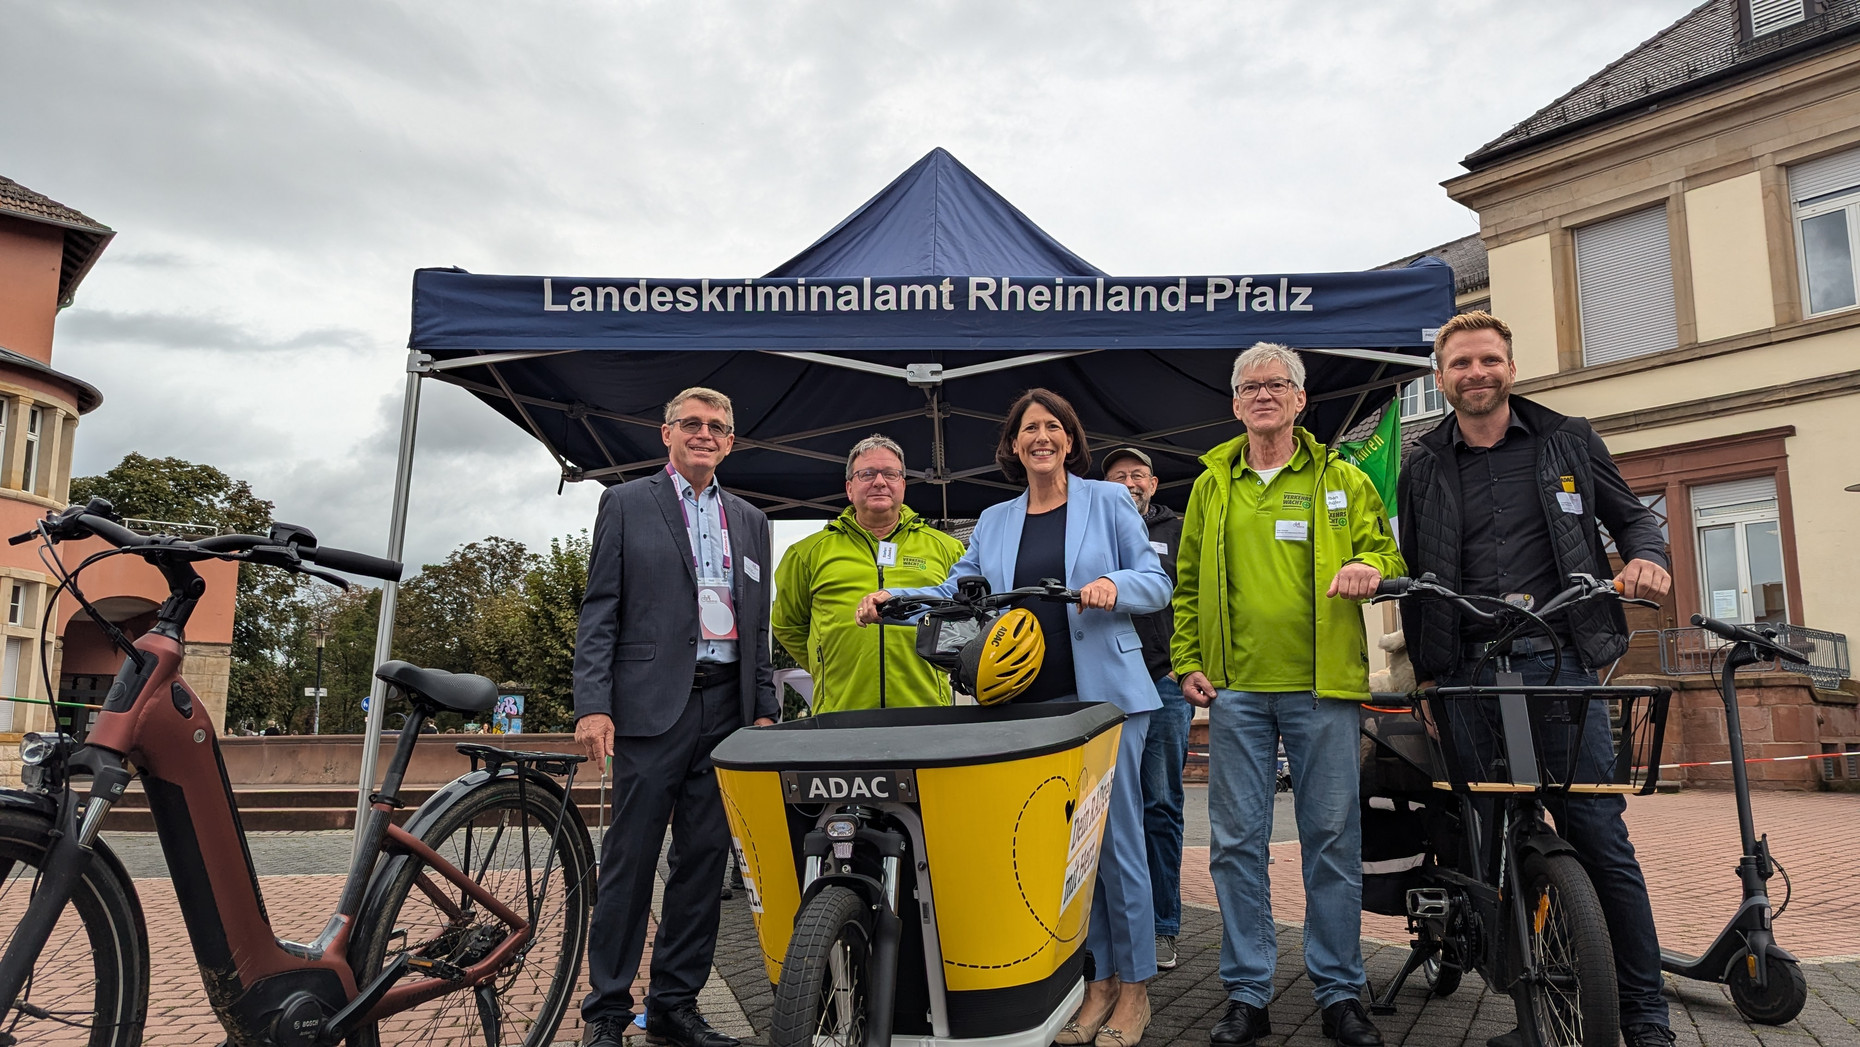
x=357, y=563
x=22, y=539
x=1393, y=586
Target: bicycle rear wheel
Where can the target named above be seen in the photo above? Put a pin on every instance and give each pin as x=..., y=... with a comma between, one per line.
x=508, y=843
x=69, y=1002
x=1572, y=1002
x=822, y=997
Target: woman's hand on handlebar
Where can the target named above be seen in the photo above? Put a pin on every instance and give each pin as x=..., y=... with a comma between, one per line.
x=1099, y=595
x=1643, y=580
x=868, y=607
x=1197, y=691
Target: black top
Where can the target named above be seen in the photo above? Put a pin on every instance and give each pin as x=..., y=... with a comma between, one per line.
x=1507, y=546
x=1157, y=629
x=1042, y=555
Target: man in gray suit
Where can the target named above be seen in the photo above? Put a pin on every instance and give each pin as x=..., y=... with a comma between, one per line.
x=672, y=655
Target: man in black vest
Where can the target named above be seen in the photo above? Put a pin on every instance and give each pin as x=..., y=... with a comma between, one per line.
x=1502, y=498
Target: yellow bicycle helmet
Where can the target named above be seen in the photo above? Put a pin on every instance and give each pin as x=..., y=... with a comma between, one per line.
x=1002, y=662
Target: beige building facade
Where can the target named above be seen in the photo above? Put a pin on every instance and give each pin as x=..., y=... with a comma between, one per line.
x=1674, y=245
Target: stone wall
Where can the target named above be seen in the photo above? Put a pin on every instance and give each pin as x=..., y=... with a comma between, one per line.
x=1781, y=714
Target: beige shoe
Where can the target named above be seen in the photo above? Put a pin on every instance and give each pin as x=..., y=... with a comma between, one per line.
x=1113, y=1037
x=1078, y=1032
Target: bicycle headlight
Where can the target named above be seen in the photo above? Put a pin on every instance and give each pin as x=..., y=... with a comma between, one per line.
x=842, y=829
x=36, y=748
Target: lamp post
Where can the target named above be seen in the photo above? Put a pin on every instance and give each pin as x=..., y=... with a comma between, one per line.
x=321, y=635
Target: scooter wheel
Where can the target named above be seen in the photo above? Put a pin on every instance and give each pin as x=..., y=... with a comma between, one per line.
x=1775, y=1005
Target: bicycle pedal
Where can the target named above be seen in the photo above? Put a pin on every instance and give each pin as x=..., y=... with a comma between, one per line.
x=1425, y=902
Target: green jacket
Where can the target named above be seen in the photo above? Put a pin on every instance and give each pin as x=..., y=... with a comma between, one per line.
x=818, y=587
x=1201, y=626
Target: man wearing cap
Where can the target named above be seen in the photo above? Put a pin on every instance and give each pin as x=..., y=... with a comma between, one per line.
x=1166, y=748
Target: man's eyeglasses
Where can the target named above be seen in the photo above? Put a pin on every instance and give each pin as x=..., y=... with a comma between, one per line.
x=866, y=476
x=1276, y=388
x=694, y=426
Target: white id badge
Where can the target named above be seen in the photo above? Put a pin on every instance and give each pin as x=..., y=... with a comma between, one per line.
x=1291, y=530
x=1162, y=548
x=888, y=554
x=716, y=615
x=1336, y=500
x=1570, y=501
x=752, y=569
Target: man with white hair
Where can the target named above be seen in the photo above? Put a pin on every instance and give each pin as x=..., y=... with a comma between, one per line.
x=1283, y=537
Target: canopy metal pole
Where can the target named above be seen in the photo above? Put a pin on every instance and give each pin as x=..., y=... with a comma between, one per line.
x=384, y=628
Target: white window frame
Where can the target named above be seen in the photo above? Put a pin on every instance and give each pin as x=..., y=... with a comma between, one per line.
x=1760, y=508
x=1422, y=398
x=1626, y=308
x=29, y=465
x=1834, y=186
x=16, y=604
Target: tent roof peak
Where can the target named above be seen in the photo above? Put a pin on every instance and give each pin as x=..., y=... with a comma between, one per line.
x=936, y=219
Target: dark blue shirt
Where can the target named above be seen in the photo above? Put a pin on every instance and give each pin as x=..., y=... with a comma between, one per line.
x=1042, y=555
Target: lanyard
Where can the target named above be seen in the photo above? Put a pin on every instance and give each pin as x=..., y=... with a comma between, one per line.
x=723, y=521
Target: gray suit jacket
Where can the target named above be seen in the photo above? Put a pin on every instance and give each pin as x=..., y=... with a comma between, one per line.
x=636, y=645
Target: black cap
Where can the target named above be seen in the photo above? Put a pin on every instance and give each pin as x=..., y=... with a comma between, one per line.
x=1125, y=452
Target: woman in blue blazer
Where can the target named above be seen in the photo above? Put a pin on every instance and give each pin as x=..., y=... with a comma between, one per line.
x=1088, y=533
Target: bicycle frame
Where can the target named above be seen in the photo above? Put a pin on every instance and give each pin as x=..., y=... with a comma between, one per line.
x=152, y=721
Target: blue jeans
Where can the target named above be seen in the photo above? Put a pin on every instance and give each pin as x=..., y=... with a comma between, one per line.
x=1121, y=935
x=1163, y=757
x=1320, y=734
x=1593, y=825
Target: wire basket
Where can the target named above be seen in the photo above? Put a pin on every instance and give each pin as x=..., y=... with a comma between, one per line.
x=1691, y=651
x=1522, y=738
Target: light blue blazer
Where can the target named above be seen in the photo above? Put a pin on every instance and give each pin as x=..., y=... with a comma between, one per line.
x=1105, y=538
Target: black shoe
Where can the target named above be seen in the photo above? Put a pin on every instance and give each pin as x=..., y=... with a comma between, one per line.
x=684, y=1027
x=1514, y=1038
x=604, y=1032
x=1647, y=1034
x=1346, y=1022
x=1243, y=1024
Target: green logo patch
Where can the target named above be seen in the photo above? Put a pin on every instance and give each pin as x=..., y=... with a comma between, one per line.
x=915, y=563
x=1296, y=500
x=1339, y=519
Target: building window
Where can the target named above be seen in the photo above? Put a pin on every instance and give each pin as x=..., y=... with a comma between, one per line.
x=1740, y=551
x=1624, y=287
x=29, y=468
x=1768, y=16
x=1421, y=399
x=1826, y=198
x=16, y=612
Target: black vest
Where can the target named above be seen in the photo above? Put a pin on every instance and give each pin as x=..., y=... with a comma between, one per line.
x=1431, y=531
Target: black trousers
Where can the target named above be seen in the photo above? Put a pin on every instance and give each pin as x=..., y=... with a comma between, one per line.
x=656, y=781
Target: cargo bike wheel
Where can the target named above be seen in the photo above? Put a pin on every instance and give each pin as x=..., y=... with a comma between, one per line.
x=1572, y=1000
x=824, y=994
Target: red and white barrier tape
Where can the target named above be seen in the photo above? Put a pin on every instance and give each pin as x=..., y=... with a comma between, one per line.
x=1758, y=759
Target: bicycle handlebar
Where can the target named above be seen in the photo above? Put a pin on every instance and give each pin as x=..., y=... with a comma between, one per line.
x=1765, y=644
x=288, y=545
x=900, y=608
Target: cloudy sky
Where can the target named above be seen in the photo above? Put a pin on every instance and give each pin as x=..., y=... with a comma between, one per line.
x=275, y=172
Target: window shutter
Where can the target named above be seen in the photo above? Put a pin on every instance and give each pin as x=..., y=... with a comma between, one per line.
x=1735, y=492
x=1624, y=287
x=1767, y=16
x=1824, y=177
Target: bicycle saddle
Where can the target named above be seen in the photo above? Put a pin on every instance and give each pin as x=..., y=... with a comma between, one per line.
x=459, y=692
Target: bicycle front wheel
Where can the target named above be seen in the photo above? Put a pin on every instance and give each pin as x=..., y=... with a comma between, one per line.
x=90, y=984
x=822, y=1000
x=508, y=842
x=1572, y=1000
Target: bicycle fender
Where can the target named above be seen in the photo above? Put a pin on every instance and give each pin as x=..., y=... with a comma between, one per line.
x=1545, y=844
x=25, y=800
x=869, y=889
x=448, y=797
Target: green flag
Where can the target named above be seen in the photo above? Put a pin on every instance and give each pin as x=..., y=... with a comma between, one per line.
x=1379, y=455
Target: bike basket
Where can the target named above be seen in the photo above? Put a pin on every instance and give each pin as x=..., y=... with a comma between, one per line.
x=1691, y=650
x=1522, y=738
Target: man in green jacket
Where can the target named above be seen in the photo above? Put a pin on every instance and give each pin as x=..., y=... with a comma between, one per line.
x=1282, y=540
x=877, y=543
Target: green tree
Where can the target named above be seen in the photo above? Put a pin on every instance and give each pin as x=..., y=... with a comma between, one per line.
x=445, y=618
x=539, y=625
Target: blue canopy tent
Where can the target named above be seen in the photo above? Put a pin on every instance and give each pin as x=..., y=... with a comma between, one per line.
x=921, y=315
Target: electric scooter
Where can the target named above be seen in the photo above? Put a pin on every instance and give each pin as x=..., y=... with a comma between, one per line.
x=1765, y=980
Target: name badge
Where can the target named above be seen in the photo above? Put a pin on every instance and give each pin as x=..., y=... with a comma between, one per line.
x=1162, y=548
x=1291, y=530
x=888, y=554
x=752, y=569
x=716, y=615
x=1570, y=501
x=1336, y=500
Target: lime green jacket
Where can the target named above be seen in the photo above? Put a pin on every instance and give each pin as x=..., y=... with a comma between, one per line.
x=818, y=587
x=1358, y=533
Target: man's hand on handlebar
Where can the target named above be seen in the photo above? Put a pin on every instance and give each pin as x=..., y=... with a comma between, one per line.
x=1355, y=581
x=1197, y=691
x=1643, y=580
x=1099, y=595
x=867, y=614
